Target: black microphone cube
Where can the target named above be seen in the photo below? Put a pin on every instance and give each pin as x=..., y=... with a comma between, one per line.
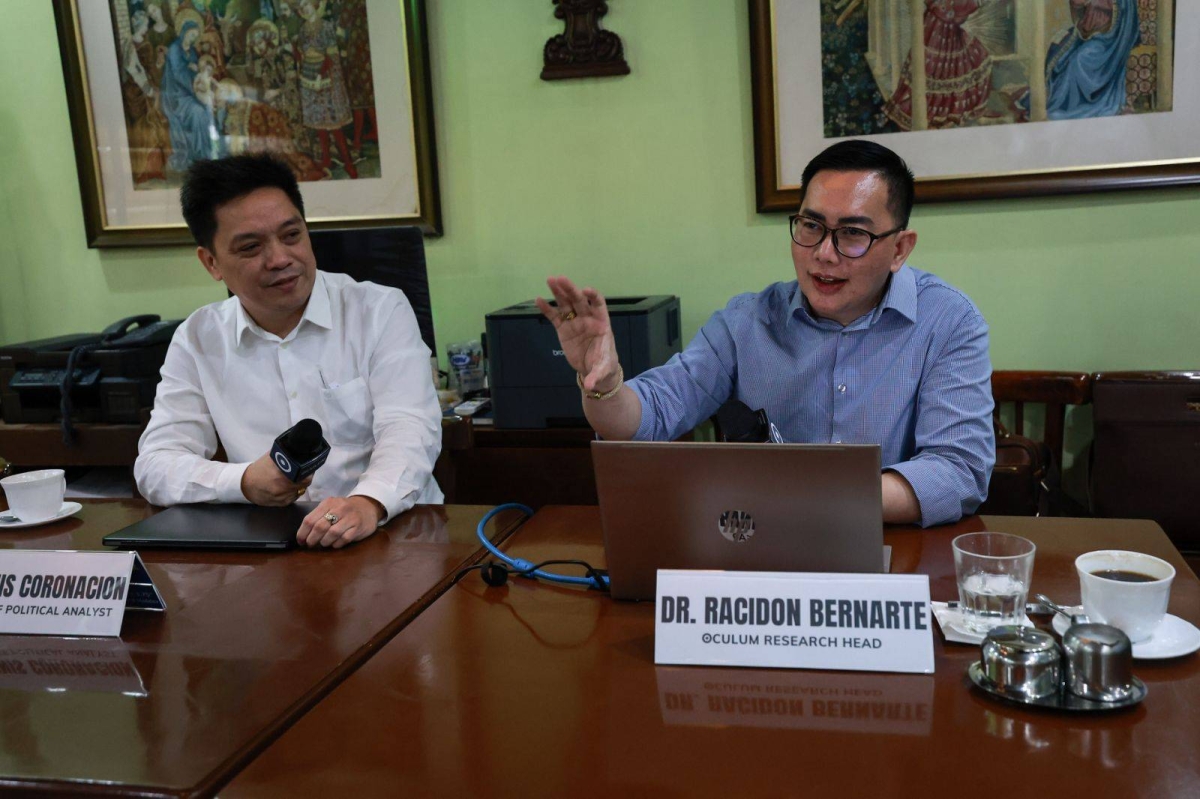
x=295, y=467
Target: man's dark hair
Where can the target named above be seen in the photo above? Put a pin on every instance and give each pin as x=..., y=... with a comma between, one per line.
x=210, y=184
x=857, y=155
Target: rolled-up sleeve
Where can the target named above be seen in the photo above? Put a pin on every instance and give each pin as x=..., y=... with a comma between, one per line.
x=955, y=441
x=174, y=463
x=407, y=418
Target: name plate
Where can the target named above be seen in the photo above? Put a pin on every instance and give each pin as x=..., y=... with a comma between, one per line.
x=72, y=593
x=852, y=622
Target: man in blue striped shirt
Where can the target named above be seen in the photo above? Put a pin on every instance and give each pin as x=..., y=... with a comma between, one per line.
x=860, y=349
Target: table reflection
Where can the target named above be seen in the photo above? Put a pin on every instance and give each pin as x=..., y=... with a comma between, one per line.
x=38, y=663
x=892, y=704
x=1096, y=741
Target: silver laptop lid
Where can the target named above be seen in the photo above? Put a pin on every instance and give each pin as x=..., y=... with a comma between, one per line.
x=742, y=507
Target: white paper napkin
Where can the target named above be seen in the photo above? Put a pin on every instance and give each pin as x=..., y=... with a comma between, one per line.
x=951, y=621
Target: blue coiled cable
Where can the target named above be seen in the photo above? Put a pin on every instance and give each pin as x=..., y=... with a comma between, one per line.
x=527, y=568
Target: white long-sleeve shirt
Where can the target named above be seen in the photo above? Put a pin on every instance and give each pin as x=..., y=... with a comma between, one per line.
x=355, y=363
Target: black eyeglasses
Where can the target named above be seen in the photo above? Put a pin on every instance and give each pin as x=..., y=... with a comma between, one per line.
x=851, y=242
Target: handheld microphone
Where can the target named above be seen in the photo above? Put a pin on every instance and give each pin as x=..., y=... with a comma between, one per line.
x=741, y=425
x=300, y=450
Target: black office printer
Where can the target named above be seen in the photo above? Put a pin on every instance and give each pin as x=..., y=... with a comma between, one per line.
x=114, y=378
x=532, y=384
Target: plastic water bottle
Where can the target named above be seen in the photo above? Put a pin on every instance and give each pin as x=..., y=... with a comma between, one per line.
x=466, y=366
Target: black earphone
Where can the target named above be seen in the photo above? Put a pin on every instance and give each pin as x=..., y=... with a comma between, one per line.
x=495, y=573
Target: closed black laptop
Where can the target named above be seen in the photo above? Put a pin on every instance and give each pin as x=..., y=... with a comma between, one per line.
x=214, y=527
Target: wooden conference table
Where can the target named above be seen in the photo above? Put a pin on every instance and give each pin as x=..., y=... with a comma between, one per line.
x=536, y=690
x=249, y=643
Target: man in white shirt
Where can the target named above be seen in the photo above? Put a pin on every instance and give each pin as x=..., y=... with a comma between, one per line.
x=292, y=343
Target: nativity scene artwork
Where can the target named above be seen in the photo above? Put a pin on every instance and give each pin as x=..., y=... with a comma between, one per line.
x=209, y=78
x=991, y=62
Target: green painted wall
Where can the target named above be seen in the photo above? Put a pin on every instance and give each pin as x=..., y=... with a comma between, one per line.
x=635, y=184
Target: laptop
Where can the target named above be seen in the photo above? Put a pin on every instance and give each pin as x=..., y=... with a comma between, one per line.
x=740, y=507
x=205, y=526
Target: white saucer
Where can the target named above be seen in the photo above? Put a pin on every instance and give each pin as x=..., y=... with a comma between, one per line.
x=1173, y=638
x=955, y=629
x=10, y=522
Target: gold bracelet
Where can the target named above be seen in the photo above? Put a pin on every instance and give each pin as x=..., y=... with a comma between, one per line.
x=598, y=395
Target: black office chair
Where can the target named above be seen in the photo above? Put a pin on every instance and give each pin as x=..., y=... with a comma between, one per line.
x=389, y=256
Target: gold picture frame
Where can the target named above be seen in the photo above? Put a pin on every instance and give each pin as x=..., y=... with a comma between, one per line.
x=1150, y=150
x=113, y=72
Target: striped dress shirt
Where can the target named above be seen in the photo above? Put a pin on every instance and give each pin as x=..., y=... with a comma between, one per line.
x=912, y=376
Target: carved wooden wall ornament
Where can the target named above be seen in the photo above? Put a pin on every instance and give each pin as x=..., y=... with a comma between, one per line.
x=583, y=50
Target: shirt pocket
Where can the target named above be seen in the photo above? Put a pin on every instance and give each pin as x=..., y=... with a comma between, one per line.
x=349, y=413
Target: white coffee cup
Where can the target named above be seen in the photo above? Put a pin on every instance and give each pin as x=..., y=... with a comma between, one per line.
x=35, y=496
x=1136, y=608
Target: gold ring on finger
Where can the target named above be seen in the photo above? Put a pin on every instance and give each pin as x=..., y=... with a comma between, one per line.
x=568, y=316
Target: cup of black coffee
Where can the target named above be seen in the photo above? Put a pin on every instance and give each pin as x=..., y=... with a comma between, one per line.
x=1128, y=590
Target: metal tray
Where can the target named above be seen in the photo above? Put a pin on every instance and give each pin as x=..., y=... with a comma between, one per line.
x=1063, y=700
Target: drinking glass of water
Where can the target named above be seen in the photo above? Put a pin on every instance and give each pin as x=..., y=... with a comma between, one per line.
x=993, y=571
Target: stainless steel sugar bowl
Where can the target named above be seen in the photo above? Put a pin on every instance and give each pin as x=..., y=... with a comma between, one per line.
x=1099, y=662
x=1023, y=662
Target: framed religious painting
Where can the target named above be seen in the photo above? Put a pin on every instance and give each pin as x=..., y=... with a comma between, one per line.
x=338, y=89
x=1008, y=98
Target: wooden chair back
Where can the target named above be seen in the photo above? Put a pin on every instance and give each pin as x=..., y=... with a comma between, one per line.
x=1054, y=390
